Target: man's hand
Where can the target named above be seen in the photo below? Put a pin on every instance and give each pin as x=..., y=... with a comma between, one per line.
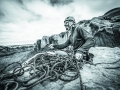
x=51, y=46
x=78, y=56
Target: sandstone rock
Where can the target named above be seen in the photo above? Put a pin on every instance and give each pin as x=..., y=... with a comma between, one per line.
x=58, y=85
x=44, y=41
x=38, y=45
x=105, y=54
x=73, y=85
x=38, y=87
x=104, y=73
x=113, y=15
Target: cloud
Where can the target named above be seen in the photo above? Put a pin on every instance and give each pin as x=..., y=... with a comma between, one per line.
x=60, y=2
x=29, y=20
x=1, y=14
x=20, y=1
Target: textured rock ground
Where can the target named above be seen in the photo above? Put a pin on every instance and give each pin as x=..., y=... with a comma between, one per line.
x=17, y=57
x=9, y=50
x=103, y=74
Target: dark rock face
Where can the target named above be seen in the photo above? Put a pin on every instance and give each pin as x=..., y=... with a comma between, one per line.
x=113, y=15
x=105, y=29
x=107, y=38
x=38, y=45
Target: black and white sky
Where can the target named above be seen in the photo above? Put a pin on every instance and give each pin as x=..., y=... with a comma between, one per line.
x=25, y=21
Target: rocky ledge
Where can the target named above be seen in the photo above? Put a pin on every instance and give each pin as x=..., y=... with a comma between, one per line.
x=102, y=74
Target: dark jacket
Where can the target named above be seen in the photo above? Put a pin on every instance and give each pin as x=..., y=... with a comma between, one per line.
x=80, y=39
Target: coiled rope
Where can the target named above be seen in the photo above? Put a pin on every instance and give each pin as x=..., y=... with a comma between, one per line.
x=40, y=68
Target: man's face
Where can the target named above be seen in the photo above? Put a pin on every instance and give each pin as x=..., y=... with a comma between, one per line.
x=68, y=24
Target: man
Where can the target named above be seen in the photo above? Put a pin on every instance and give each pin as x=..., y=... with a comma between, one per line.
x=80, y=39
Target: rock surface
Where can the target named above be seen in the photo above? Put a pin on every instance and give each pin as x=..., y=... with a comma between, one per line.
x=103, y=74
x=9, y=50
x=19, y=57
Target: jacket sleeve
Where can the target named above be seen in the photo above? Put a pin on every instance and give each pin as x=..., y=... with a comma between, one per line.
x=64, y=45
x=89, y=40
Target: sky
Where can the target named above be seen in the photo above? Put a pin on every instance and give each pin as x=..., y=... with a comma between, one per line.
x=25, y=21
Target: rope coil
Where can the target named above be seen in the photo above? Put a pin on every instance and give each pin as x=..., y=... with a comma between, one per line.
x=42, y=67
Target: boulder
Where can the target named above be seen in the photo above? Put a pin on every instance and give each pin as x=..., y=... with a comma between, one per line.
x=38, y=45
x=113, y=15
x=103, y=74
x=44, y=41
